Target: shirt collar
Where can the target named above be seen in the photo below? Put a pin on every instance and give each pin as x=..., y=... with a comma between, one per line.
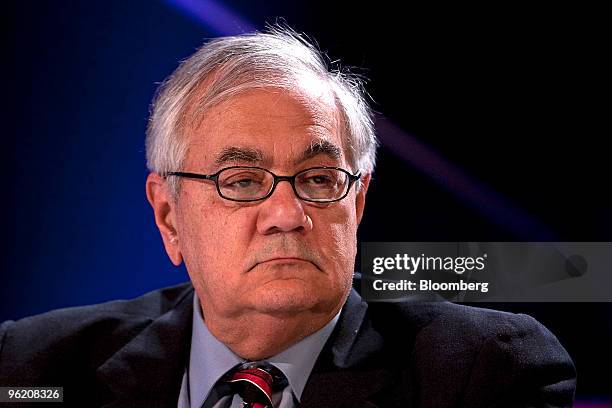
x=210, y=359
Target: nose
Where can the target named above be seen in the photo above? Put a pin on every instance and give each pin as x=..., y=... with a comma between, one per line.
x=283, y=211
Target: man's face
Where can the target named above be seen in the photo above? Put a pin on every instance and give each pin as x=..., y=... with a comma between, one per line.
x=281, y=255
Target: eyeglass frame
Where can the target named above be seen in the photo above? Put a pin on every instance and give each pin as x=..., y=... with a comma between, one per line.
x=352, y=178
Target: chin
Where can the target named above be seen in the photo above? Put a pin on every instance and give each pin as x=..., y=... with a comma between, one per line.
x=291, y=296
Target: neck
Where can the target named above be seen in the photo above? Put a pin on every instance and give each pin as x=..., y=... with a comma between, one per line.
x=260, y=336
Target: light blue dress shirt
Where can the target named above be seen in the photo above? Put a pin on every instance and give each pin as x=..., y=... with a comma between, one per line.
x=209, y=360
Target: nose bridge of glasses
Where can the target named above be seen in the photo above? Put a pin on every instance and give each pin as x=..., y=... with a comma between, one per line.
x=288, y=179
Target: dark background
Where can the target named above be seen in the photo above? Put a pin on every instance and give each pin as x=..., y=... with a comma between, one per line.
x=502, y=108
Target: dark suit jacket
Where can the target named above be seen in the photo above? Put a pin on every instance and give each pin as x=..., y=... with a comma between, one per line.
x=133, y=353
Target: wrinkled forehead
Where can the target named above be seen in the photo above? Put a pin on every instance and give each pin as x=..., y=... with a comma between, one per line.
x=269, y=126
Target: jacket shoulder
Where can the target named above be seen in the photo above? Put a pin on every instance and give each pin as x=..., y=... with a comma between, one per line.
x=466, y=350
x=81, y=337
x=446, y=321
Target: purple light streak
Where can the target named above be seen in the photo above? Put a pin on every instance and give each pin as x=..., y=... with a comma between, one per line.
x=216, y=16
x=494, y=206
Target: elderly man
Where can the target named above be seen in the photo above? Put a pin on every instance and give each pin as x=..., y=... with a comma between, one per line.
x=260, y=161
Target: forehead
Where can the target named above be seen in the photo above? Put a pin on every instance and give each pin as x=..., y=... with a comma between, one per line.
x=281, y=125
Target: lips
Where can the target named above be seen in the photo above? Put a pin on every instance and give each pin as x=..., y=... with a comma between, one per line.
x=282, y=260
x=288, y=259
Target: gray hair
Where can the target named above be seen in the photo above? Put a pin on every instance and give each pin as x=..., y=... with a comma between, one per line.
x=277, y=58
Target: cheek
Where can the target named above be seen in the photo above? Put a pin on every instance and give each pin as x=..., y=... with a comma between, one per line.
x=214, y=240
x=344, y=241
x=339, y=238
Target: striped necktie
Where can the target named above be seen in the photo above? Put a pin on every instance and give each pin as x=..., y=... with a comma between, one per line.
x=254, y=385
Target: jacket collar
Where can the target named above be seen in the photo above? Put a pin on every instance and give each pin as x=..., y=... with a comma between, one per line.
x=147, y=371
x=352, y=368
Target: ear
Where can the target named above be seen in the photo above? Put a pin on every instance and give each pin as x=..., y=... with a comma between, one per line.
x=361, y=195
x=164, y=209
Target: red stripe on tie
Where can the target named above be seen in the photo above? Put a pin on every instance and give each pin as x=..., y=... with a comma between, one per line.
x=256, y=386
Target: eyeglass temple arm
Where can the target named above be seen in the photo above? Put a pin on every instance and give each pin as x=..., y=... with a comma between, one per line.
x=191, y=175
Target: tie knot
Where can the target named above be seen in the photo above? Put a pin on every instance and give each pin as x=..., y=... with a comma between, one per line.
x=254, y=384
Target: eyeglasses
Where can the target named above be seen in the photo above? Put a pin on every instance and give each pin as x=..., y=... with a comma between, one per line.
x=317, y=184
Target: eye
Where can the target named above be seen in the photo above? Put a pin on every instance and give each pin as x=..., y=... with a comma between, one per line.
x=242, y=180
x=245, y=182
x=319, y=179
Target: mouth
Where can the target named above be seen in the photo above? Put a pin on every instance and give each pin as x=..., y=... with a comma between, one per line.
x=284, y=261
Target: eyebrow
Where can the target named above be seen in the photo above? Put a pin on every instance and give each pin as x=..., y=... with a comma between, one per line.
x=255, y=156
x=241, y=154
x=318, y=147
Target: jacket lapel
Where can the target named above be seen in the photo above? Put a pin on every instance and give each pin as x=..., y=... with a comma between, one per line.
x=148, y=370
x=351, y=372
